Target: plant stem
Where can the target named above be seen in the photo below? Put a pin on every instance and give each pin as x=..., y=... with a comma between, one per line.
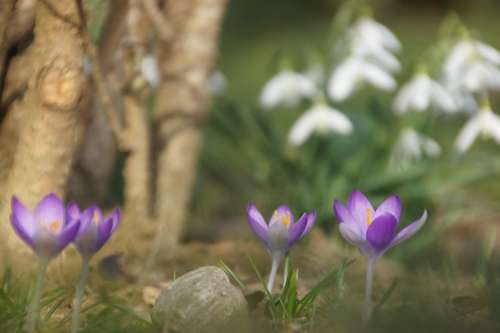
x=367, y=309
x=34, y=307
x=80, y=289
x=285, y=269
x=274, y=268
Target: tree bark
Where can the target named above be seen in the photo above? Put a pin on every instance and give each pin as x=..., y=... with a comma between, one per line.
x=186, y=62
x=52, y=124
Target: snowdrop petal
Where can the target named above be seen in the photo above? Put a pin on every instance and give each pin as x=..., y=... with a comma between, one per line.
x=488, y=52
x=468, y=134
x=402, y=101
x=441, y=98
x=344, y=78
x=319, y=118
x=491, y=125
x=287, y=89
x=381, y=33
x=430, y=146
x=378, y=77
x=302, y=129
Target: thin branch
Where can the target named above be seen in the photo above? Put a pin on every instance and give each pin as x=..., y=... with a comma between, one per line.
x=100, y=82
x=163, y=28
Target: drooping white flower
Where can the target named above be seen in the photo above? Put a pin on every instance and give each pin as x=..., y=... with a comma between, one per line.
x=465, y=51
x=150, y=70
x=421, y=93
x=287, y=88
x=373, y=41
x=322, y=119
x=377, y=34
x=472, y=66
x=464, y=100
x=411, y=146
x=352, y=72
x=485, y=122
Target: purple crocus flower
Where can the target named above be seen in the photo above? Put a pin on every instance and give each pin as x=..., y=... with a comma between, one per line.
x=373, y=231
x=280, y=234
x=46, y=230
x=95, y=230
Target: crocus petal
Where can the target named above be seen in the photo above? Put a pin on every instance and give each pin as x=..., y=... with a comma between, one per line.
x=257, y=222
x=310, y=219
x=351, y=234
x=409, y=230
x=391, y=205
x=381, y=232
x=296, y=230
x=345, y=216
x=24, y=217
x=72, y=210
x=116, y=216
x=468, y=134
x=360, y=209
x=104, y=232
x=281, y=212
x=50, y=209
x=21, y=231
x=67, y=235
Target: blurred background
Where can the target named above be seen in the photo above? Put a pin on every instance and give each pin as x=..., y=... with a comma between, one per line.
x=246, y=156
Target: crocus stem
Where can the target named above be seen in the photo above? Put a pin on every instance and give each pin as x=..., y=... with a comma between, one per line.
x=77, y=302
x=285, y=270
x=276, y=259
x=34, y=307
x=367, y=309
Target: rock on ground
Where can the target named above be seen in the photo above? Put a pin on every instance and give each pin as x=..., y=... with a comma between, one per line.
x=203, y=300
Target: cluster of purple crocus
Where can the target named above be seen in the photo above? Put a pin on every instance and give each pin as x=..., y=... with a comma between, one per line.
x=372, y=231
x=50, y=228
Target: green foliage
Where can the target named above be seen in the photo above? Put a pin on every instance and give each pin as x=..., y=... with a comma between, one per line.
x=289, y=305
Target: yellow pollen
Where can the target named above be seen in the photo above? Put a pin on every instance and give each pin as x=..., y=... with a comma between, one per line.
x=55, y=226
x=368, y=216
x=286, y=219
x=96, y=217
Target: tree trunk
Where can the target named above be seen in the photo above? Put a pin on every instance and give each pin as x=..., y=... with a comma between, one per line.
x=51, y=125
x=186, y=62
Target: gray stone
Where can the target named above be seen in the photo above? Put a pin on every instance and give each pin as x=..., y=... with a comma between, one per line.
x=203, y=300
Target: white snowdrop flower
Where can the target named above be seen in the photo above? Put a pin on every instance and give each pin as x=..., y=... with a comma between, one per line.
x=352, y=72
x=466, y=51
x=150, y=70
x=217, y=83
x=485, y=122
x=464, y=100
x=377, y=34
x=421, y=93
x=375, y=53
x=321, y=119
x=412, y=146
x=480, y=76
x=473, y=66
x=287, y=88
